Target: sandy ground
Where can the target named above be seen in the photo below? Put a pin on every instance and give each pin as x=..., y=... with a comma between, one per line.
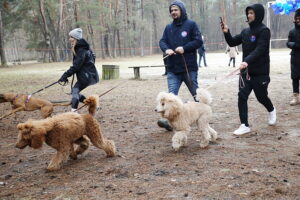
x=263, y=164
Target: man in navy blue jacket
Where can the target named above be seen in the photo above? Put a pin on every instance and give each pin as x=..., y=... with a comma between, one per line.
x=180, y=41
x=255, y=68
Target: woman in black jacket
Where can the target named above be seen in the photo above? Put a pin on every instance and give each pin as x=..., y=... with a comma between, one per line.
x=83, y=67
x=294, y=44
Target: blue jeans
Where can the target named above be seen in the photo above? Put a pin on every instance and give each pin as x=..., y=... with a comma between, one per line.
x=204, y=59
x=175, y=81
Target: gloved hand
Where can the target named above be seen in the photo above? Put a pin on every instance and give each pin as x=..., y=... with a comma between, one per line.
x=63, y=79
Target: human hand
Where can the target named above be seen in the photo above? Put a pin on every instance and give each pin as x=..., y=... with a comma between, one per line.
x=170, y=52
x=179, y=50
x=224, y=27
x=63, y=79
x=243, y=65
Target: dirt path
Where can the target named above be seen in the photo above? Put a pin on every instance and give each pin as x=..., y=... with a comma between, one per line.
x=264, y=164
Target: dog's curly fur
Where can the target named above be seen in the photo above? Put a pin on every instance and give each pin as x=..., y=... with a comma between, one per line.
x=62, y=131
x=181, y=115
x=21, y=102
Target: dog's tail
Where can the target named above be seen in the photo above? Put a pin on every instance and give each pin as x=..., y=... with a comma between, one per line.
x=93, y=103
x=203, y=96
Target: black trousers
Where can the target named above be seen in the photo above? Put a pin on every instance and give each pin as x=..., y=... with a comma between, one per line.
x=259, y=84
x=232, y=59
x=76, y=96
x=295, y=85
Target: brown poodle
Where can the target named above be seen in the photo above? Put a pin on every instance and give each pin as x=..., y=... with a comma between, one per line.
x=21, y=102
x=63, y=131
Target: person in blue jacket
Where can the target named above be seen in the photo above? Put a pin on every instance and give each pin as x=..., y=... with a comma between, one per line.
x=83, y=66
x=180, y=41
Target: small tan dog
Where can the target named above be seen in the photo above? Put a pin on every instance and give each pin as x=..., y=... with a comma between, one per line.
x=21, y=102
x=62, y=131
x=182, y=115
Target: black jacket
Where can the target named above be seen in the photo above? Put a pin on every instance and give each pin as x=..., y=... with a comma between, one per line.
x=294, y=44
x=255, y=42
x=83, y=64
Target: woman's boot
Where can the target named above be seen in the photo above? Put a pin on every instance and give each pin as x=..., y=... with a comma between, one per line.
x=295, y=99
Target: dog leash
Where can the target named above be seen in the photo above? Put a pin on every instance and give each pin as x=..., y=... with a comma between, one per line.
x=103, y=94
x=47, y=87
x=225, y=77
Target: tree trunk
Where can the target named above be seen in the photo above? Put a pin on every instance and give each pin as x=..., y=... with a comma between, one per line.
x=155, y=34
x=142, y=29
x=46, y=32
x=234, y=17
x=2, y=51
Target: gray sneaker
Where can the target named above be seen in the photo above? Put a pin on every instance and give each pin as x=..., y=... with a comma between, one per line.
x=164, y=124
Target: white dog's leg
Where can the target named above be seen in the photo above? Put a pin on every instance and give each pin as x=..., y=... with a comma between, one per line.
x=179, y=139
x=213, y=133
x=204, y=129
x=205, y=138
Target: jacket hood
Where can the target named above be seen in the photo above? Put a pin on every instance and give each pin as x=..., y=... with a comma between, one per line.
x=259, y=13
x=297, y=14
x=181, y=5
x=82, y=43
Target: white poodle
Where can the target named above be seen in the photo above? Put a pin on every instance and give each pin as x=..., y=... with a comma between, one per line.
x=181, y=115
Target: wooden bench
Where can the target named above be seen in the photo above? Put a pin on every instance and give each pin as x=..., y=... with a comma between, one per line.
x=136, y=70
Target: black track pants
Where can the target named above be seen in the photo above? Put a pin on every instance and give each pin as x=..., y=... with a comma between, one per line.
x=259, y=84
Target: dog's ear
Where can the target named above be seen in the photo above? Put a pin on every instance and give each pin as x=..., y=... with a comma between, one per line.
x=37, y=137
x=171, y=109
x=25, y=127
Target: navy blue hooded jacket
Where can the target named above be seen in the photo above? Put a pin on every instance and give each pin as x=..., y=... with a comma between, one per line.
x=255, y=42
x=185, y=33
x=83, y=64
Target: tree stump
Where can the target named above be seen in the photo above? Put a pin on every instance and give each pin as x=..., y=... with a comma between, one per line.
x=110, y=72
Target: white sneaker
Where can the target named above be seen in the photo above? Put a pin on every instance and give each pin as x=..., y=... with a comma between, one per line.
x=242, y=130
x=74, y=110
x=272, y=117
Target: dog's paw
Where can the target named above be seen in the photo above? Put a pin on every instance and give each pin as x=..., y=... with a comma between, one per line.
x=73, y=156
x=176, y=144
x=53, y=168
x=204, y=144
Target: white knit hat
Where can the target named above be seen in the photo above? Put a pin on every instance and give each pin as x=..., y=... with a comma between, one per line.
x=76, y=33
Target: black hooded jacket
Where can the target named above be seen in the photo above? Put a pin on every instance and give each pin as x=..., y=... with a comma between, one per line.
x=294, y=44
x=83, y=64
x=255, y=42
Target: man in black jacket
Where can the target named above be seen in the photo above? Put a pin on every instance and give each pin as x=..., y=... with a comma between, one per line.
x=294, y=44
x=255, y=68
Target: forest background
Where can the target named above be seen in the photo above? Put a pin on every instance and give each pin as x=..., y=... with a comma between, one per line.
x=38, y=29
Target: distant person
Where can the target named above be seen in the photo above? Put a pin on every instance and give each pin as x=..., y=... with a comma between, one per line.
x=232, y=52
x=255, y=68
x=180, y=41
x=83, y=66
x=294, y=44
x=201, y=52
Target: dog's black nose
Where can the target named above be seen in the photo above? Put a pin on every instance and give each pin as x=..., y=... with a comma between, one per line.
x=155, y=110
